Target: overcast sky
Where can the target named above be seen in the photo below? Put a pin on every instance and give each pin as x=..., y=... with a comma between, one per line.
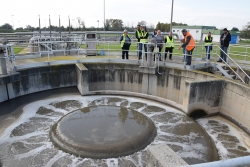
x=219, y=13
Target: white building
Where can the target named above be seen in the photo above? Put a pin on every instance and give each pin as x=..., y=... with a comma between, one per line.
x=196, y=31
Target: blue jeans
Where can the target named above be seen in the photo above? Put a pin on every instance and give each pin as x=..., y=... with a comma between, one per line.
x=222, y=54
x=140, y=50
x=188, y=57
x=208, y=49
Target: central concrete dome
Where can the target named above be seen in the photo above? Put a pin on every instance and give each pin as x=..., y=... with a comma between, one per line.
x=103, y=132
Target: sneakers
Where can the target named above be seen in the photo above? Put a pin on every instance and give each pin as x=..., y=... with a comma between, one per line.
x=219, y=61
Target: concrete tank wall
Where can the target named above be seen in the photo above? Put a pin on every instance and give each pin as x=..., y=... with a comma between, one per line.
x=42, y=78
x=127, y=78
x=235, y=103
x=186, y=90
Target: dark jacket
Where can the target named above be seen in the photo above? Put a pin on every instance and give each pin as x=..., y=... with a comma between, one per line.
x=226, y=41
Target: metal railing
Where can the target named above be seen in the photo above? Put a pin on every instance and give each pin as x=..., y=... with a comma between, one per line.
x=113, y=49
x=235, y=162
x=233, y=61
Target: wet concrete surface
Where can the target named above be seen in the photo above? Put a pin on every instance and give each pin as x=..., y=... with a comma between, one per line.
x=231, y=141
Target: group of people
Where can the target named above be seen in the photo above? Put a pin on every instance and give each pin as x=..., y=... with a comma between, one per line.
x=188, y=44
x=142, y=35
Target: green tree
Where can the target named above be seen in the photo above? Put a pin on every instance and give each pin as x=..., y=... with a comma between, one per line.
x=166, y=26
x=6, y=26
x=117, y=24
x=235, y=29
x=108, y=24
x=245, y=33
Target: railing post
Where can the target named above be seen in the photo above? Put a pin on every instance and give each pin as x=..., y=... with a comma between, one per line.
x=3, y=64
x=142, y=54
x=13, y=59
x=7, y=56
x=185, y=56
x=246, y=53
x=48, y=52
x=108, y=48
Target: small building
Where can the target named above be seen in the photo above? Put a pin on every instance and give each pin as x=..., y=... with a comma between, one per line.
x=196, y=31
x=217, y=33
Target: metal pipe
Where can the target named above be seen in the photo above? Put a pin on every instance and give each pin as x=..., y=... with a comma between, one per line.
x=241, y=161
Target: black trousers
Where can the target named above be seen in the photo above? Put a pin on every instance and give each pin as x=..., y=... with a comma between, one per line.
x=125, y=50
x=189, y=57
x=170, y=50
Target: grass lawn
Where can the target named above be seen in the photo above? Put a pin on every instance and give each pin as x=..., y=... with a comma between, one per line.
x=17, y=50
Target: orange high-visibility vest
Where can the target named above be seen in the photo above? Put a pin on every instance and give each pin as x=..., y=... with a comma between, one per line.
x=191, y=43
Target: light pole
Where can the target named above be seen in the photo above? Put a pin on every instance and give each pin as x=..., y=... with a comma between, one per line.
x=45, y=24
x=104, y=25
x=12, y=22
x=104, y=16
x=98, y=24
x=171, y=16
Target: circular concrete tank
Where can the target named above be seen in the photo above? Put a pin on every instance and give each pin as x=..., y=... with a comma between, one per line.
x=103, y=132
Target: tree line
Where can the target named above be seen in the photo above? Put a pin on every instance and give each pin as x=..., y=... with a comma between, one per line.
x=110, y=25
x=245, y=33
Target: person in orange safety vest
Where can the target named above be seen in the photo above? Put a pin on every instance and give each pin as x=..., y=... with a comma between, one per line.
x=189, y=44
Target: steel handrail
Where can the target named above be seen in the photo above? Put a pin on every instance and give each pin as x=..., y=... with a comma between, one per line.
x=230, y=66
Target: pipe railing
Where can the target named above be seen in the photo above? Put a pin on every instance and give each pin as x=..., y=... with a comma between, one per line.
x=237, y=65
x=234, y=162
x=114, y=46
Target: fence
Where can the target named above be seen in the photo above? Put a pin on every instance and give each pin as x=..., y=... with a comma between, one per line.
x=47, y=51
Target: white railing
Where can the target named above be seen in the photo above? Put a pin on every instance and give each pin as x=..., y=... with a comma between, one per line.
x=235, y=162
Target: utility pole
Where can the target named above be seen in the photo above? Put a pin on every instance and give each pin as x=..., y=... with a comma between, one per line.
x=171, y=16
x=69, y=25
x=12, y=22
x=60, y=28
x=39, y=26
x=104, y=25
x=49, y=27
x=45, y=24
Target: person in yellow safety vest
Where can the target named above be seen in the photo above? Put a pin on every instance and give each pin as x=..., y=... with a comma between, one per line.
x=125, y=44
x=138, y=35
x=143, y=41
x=169, y=40
x=189, y=44
x=208, y=45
